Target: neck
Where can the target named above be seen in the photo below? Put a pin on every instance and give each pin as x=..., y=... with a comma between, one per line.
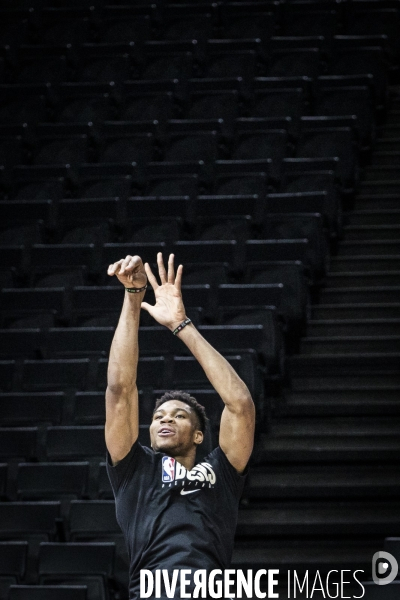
x=187, y=460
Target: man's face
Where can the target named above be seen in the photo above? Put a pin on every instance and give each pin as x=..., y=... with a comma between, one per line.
x=174, y=428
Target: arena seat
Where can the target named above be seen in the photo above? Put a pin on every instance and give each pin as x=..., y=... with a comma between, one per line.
x=152, y=372
x=19, y=442
x=20, y=343
x=315, y=20
x=3, y=485
x=18, y=212
x=117, y=25
x=219, y=104
x=331, y=142
x=207, y=251
x=104, y=486
x=75, y=106
x=309, y=202
x=73, y=442
x=317, y=181
x=90, y=564
x=304, y=62
x=227, y=205
x=7, y=368
x=24, y=520
x=41, y=375
x=184, y=27
x=89, y=519
x=167, y=185
x=277, y=249
x=297, y=226
x=364, y=59
x=148, y=106
x=216, y=228
x=52, y=480
x=362, y=20
x=167, y=206
x=62, y=150
x=53, y=69
x=18, y=408
x=99, y=64
x=47, y=592
x=373, y=592
x=241, y=20
x=27, y=186
x=271, y=144
x=46, y=256
x=13, y=556
x=203, y=145
x=11, y=150
x=348, y=100
x=227, y=62
x=188, y=373
x=166, y=61
x=130, y=148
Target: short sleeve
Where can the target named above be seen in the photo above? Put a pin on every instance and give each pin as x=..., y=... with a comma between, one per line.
x=234, y=480
x=122, y=472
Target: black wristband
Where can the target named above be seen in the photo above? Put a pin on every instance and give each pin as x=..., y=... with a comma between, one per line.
x=136, y=290
x=182, y=325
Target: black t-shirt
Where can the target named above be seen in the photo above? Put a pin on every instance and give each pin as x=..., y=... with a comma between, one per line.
x=173, y=518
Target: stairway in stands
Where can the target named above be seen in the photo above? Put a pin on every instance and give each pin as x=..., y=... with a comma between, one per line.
x=327, y=490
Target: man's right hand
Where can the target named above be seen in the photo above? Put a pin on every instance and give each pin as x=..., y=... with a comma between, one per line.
x=130, y=272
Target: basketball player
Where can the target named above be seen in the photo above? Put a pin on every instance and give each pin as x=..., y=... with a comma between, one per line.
x=174, y=513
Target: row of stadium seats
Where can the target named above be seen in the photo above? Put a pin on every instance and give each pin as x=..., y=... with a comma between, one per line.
x=69, y=24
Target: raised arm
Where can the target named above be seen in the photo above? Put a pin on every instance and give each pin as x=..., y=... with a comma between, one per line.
x=238, y=417
x=122, y=422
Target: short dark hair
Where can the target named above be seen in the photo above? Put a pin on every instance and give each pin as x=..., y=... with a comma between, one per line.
x=187, y=399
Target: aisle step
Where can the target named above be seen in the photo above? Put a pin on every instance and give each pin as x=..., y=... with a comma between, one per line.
x=375, y=217
x=304, y=554
x=363, y=279
x=364, y=263
x=393, y=117
x=382, y=186
x=369, y=247
x=360, y=426
x=362, y=400
x=373, y=201
x=355, y=311
x=372, y=232
x=312, y=518
x=380, y=173
x=328, y=481
x=352, y=344
x=327, y=448
x=353, y=327
x=387, y=144
x=389, y=131
x=337, y=371
x=386, y=157
x=342, y=364
x=360, y=295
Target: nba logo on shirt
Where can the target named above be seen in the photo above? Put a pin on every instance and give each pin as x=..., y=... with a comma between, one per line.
x=168, y=469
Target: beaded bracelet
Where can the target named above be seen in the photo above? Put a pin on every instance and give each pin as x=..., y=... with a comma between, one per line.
x=136, y=290
x=182, y=325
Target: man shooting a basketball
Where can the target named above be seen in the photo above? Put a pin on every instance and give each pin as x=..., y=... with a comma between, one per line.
x=174, y=513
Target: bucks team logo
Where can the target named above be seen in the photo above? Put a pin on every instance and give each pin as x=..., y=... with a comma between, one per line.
x=168, y=469
x=172, y=470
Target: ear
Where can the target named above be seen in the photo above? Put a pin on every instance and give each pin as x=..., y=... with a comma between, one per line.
x=198, y=437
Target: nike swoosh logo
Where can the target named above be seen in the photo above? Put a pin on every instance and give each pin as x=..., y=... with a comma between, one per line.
x=183, y=492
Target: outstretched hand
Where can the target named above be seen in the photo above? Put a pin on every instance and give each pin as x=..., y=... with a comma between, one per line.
x=168, y=309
